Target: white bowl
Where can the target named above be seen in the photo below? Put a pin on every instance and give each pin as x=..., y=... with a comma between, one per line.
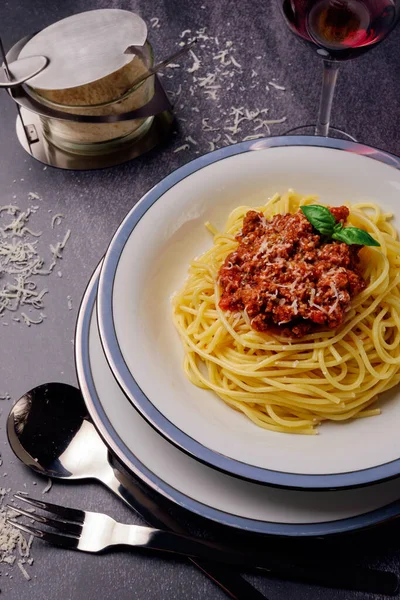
x=147, y=262
x=200, y=489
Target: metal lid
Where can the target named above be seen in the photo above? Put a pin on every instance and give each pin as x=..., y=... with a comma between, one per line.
x=85, y=47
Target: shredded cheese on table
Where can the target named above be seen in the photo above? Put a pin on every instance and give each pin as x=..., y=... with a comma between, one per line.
x=21, y=263
x=215, y=68
x=15, y=548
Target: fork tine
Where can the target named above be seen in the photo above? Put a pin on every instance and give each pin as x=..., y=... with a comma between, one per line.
x=73, y=529
x=26, y=513
x=25, y=528
x=57, y=539
x=70, y=514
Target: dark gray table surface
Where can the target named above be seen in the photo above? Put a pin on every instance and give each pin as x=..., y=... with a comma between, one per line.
x=94, y=203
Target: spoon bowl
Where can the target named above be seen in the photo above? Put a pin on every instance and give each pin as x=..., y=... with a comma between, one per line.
x=49, y=430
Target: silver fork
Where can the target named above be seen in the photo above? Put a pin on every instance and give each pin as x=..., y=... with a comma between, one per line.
x=94, y=532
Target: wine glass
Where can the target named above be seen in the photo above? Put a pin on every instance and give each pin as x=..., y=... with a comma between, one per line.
x=338, y=30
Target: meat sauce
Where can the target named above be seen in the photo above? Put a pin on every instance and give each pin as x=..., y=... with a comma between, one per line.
x=286, y=275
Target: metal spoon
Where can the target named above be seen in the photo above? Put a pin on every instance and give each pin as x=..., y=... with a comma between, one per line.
x=49, y=430
x=159, y=66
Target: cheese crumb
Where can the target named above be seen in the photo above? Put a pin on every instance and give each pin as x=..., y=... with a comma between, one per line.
x=276, y=86
x=196, y=63
x=183, y=147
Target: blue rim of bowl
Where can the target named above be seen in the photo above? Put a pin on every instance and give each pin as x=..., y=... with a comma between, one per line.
x=139, y=470
x=128, y=383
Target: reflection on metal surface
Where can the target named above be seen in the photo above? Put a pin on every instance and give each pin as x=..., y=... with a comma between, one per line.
x=22, y=70
x=48, y=154
x=310, y=130
x=85, y=47
x=48, y=430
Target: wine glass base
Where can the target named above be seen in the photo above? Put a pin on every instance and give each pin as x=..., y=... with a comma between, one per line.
x=310, y=130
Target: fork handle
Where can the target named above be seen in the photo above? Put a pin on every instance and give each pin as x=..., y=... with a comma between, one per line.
x=132, y=493
x=335, y=576
x=367, y=580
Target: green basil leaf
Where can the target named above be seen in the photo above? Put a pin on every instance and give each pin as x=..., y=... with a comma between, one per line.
x=338, y=227
x=354, y=235
x=320, y=217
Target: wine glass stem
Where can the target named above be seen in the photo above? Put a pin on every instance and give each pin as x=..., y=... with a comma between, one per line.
x=331, y=69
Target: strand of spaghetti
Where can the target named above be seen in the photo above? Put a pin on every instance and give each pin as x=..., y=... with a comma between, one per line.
x=287, y=422
x=383, y=373
x=260, y=419
x=384, y=355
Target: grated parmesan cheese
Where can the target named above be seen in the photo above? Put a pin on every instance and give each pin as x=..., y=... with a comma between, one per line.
x=276, y=86
x=28, y=321
x=256, y=136
x=211, y=77
x=235, y=62
x=207, y=127
x=183, y=147
x=294, y=306
x=48, y=486
x=196, y=63
x=211, y=94
x=56, y=220
x=21, y=266
x=222, y=57
x=14, y=547
x=336, y=294
x=312, y=303
x=23, y=570
x=230, y=140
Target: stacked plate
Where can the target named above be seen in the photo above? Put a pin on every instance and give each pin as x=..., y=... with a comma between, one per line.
x=184, y=441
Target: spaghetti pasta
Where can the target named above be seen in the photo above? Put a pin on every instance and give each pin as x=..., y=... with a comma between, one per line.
x=292, y=385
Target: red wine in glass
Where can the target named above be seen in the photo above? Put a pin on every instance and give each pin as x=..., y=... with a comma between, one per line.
x=343, y=29
x=339, y=30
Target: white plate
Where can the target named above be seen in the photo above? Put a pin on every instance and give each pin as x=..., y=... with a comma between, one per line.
x=201, y=489
x=147, y=262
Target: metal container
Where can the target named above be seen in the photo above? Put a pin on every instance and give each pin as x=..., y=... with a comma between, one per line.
x=96, y=138
x=89, y=74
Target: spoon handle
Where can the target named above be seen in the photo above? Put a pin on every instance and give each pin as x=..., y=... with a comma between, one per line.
x=158, y=66
x=133, y=494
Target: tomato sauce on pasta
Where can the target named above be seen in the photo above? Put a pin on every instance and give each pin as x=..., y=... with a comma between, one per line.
x=285, y=274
